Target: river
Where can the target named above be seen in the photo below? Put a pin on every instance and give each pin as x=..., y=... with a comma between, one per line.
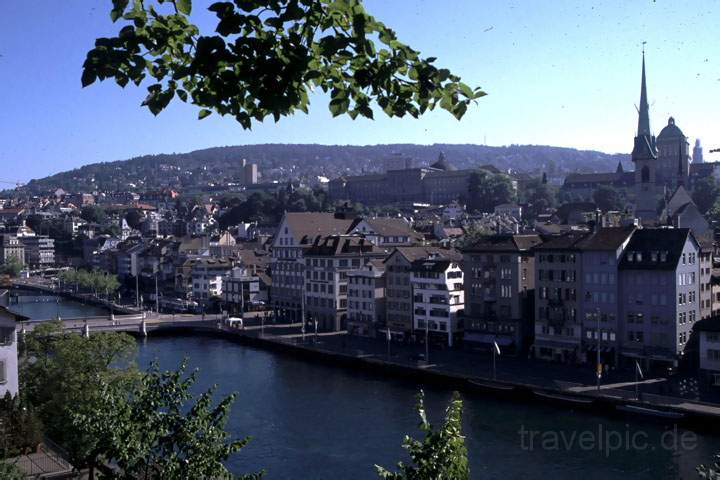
x=45, y=307
x=310, y=421
x=314, y=421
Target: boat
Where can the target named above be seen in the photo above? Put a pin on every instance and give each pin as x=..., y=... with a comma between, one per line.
x=497, y=387
x=563, y=398
x=651, y=412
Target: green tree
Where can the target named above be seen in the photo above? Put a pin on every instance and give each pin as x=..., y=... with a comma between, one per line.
x=160, y=429
x=62, y=374
x=539, y=196
x=12, y=266
x=607, y=198
x=8, y=471
x=441, y=454
x=705, y=193
x=267, y=55
x=20, y=427
x=712, y=471
x=486, y=191
x=93, y=214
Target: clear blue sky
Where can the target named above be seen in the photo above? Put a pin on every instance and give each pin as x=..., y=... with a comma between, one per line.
x=557, y=73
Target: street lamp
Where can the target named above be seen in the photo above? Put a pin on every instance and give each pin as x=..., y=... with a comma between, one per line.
x=599, y=365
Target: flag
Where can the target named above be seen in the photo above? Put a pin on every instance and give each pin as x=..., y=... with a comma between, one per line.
x=497, y=347
x=638, y=369
x=388, y=334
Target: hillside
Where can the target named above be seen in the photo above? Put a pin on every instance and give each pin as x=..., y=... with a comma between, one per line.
x=281, y=162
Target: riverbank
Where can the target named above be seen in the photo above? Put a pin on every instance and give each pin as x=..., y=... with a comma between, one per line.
x=697, y=416
x=83, y=298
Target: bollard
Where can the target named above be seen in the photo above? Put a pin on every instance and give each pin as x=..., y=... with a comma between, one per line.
x=86, y=331
x=143, y=328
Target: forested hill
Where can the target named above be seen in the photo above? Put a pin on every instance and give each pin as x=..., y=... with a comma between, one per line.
x=220, y=165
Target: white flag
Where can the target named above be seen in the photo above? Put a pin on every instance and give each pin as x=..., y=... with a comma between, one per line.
x=497, y=347
x=639, y=370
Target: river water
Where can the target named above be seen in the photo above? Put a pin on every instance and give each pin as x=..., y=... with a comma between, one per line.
x=310, y=421
x=45, y=307
x=314, y=421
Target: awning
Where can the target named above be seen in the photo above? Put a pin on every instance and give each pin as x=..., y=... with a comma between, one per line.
x=487, y=338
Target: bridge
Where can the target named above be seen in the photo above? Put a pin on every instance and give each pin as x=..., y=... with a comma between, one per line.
x=141, y=324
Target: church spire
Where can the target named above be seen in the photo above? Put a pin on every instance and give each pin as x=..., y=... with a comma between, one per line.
x=644, y=109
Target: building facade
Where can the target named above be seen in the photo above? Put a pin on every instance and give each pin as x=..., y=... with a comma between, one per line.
x=438, y=299
x=500, y=292
x=366, y=299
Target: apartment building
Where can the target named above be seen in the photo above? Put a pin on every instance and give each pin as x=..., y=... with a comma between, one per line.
x=8, y=353
x=659, y=284
x=438, y=299
x=366, y=299
x=207, y=278
x=399, y=292
x=601, y=253
x=558, y=273
x=240, y=290
x=500, y=292
x=327, y=264
x=297, y=232
x=11, y=248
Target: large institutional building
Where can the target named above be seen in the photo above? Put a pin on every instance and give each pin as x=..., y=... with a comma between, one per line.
x=438, y=184
x=662, y=164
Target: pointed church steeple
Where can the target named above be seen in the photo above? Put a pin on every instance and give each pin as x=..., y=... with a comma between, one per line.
x=644, y=141
x=619, y=168
x=644, y=108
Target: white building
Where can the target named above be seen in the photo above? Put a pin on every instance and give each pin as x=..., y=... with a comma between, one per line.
x=8, y=353
x=366, y=299
x=207, y=278
x=438, y=298
x=240, y=290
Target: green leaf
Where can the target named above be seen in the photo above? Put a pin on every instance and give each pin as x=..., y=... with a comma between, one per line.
x=184, y=6
x=203, y=113
x=88, y=77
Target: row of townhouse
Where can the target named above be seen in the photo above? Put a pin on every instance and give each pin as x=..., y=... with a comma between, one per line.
x=363, y=275
x=299, y=232
x=632, y=293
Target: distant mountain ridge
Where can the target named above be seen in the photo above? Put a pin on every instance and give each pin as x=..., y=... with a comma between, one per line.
x=282, y=162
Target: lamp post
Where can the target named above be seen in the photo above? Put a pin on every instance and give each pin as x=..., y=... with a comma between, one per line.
x=597, y=332
x=427, y=341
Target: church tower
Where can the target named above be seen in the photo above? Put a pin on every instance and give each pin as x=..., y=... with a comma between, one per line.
x=644, y=157
x=697, y=152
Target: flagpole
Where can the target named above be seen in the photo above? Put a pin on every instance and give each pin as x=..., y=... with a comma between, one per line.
x=493, y=358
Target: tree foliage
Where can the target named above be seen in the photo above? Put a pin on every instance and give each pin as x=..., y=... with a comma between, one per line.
x=267, y=56
x=61, y=374
x=705, y=193
x=539, y=197
x=93, y=280
x=159, y=429
x=607, y=198
x=93, y=214
x=441, y=455
x=9, y=471
x=20, y=427
x=487, y=190
x=12, y=266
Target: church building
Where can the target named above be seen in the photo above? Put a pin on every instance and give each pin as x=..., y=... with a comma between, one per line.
x=661, y=165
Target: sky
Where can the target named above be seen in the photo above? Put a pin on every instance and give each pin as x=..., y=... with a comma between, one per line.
x=562, y=73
